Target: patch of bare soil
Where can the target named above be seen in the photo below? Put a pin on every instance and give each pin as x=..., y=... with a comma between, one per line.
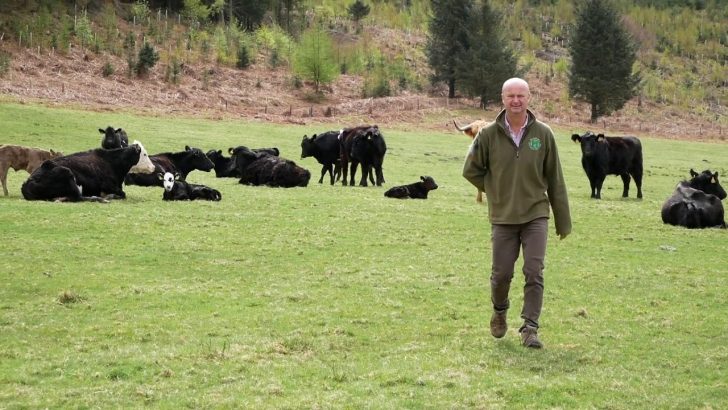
x=213, y=91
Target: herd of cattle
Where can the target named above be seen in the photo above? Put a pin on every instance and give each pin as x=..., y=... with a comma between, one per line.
x=99, y=174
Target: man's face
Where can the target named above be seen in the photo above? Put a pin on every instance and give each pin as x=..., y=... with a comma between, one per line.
x=516, y=98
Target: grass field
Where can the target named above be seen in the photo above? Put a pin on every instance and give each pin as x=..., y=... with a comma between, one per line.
x=337, y=297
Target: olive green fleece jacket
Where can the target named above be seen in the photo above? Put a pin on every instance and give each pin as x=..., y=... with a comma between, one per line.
x=519, y=182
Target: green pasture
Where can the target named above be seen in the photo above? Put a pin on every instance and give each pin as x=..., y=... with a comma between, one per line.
x=336, y=297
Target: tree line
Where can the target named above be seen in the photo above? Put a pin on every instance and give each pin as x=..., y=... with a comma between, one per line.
x=468, y=50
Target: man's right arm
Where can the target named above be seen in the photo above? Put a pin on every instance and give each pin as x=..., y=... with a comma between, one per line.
x=475, y=167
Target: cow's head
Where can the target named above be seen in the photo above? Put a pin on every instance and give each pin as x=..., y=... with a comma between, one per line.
x=589, y=142
x=429, y=182
x=307, y=146
x=114, y=138
x=214, y=155
x=198, y=159
x=144, y=165
x=707, y=182
x=167, y=180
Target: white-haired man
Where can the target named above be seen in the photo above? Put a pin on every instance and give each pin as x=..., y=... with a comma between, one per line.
x=515, y=162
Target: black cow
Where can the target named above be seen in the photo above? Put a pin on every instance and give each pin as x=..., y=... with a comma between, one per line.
x=275, y=171
x=602, y=156
x=176, y=190
x=696, y=203
x=181, y=163
x=242, y=156
x=417, y=190
x=224, y=166
x=114, y=138
x=369, y=148
x=325, y=148
x=84, y=175
x=349, y=163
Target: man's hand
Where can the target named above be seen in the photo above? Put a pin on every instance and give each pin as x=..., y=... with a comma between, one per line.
x=562, y=235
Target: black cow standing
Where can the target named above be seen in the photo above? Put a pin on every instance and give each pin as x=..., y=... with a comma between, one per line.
x=114, y=138
x=696, y=203
x=86, y=175
x=181, y=163
x=325, y=148
x=351, y=158
x=417, y=190
x=369, y=148
x=602, y=156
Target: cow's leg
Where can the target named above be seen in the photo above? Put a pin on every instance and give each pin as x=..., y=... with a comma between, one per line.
x=337, y=171
x=625, y=181
x=638, y=183
x=330, y=170
x=323, y=172
x=599, y=182
x=380, y=175
x=593, y=186
x=352, y=171
x=344, y=168
x=4, y=180
x=366, y=172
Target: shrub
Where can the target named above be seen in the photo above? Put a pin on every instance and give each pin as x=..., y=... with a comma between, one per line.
x=243, y=57
x=148, y=57
x=107, y=69
x=4, y=62
x=174, y=69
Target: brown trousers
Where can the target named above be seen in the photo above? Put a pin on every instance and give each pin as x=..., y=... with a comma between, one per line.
x=507, y=242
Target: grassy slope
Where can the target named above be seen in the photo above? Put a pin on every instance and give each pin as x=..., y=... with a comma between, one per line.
x=337, y=297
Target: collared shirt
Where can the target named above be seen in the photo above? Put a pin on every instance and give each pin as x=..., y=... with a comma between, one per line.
x=518, y=134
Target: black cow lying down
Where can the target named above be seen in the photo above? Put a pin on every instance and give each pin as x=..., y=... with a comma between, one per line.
x=696, y=203
x=180, y=190
x=274, y=171
x=418, y=190
x=86, y=175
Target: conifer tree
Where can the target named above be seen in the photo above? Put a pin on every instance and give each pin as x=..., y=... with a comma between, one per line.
x=358, y=10
x=448, y=39
x=314, y=60
x=490, y=60
x=602, y=56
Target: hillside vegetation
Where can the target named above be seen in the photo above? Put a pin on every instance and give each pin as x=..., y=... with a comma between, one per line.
x=683, y=51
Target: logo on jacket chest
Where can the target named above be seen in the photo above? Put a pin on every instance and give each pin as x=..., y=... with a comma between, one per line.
x=534, y=143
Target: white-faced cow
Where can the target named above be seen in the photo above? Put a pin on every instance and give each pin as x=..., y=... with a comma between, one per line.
x=325, y=148
x=176, y=190
x=471, y=130
x=181, y=163
x=87, y=175
x=696, y=203
x=417, y=190
x=18, y=157
x=114, y=138
x=602, y=156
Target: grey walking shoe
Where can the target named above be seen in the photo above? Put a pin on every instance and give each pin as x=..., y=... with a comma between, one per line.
x=529, y=337
x=498, y=324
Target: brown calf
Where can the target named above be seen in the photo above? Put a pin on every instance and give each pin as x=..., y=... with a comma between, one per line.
x=471, y=130
x=17, y=157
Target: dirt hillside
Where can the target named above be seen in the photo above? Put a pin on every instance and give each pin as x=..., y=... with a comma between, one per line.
x=266, y=94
